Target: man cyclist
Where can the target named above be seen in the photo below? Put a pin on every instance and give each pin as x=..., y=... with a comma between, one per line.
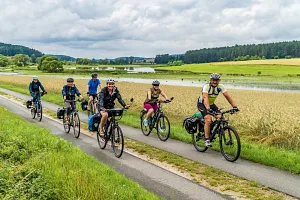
x=92, y=88
x=69, y=91
x=206, y=102
x=150, y=103
x=34, y=88
x=107, y=97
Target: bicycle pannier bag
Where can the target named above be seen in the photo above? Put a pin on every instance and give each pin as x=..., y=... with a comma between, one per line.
x=84, y=105
x=190, y=125
x=60, y=113
x=29, y=104
x=93, y=122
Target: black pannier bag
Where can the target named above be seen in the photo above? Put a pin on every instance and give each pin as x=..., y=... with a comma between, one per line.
x=60, y=113
x=84, y=105
x=190, y=124
x=29, y=104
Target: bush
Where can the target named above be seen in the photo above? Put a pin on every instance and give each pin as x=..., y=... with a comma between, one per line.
x=276, y=57
x=288, y=57
x=3, y=61
x=50, y=64
x=175, y=63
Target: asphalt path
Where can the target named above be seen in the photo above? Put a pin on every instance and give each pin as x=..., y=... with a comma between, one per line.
x=153, y=178
x=271, y=177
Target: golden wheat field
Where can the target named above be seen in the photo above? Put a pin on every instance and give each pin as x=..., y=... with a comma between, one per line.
x=266, y=117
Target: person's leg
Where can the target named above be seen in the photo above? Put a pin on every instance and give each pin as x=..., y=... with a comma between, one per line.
x=207, y=124
x=104, y=116
x=89, y=102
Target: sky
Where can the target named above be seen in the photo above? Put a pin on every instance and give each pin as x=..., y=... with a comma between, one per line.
x=115, y=28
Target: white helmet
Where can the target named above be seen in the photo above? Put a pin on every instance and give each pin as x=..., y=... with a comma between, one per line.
x=35, y=78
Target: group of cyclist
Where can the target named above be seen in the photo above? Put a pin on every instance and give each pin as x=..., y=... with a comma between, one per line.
x=107, y=96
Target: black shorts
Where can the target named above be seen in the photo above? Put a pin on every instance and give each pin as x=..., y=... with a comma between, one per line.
x=93, y=95
x=203, y=110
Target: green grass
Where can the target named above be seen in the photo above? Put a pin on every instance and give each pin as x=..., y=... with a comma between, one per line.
x=34, y=164
x=247, y=69
x=285, y=159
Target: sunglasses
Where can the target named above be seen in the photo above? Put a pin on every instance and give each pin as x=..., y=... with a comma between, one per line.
x=69, y=82
x=155, y=85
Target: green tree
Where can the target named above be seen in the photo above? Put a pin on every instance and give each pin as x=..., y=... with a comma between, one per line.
x=3, y=61
x=50, y=64
x=21, y=60
x=33, y=58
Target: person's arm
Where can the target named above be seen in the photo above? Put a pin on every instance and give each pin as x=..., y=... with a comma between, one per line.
x=100, y=85
x=64, y=93
x=164, y=95
x=229, y=99
x=78, y=93
x=88, y=86
x=205, y=100
x=101, y=100
x=30, y=87
x=42, y=87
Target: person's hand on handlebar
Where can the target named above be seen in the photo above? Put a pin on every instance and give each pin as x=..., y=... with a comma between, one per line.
x=235, y=109
x=210, y=111
x=127, y=106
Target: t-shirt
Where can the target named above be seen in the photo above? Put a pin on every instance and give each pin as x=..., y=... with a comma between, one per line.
x=93, y=86
x=213, y=92
x=153, y=95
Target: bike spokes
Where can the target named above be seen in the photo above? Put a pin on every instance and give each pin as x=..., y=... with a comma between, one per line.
x=230, y=144
x=76, y=125
x=145, y=127
x=117, y=141
x=163, y=128
x=198, y=141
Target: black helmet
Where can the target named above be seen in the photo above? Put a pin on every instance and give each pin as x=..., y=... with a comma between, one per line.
x=94, y=75
x=190, y=125
x=110, y=81
x=156, y=82
x=215, y=76
x=70, y=80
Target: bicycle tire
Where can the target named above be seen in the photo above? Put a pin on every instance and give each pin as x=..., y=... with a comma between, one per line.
x=162, y=127
x=33, y=112
x=40, y=113
x=66, y=123
x=224, y=142
x=145, y=129
x=117, y=140
x=76, y=125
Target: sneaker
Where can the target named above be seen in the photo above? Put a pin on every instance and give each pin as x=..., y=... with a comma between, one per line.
x=145, y=122
x=160, y=130
x=207, y=143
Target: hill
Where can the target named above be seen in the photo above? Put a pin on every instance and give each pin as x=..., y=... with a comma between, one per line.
x=11, y=50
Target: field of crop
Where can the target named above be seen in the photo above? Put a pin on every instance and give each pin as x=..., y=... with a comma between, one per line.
x=282, y=67
x=265, y=117
x=34, y=164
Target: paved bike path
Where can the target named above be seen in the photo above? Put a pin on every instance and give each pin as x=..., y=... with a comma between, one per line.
x=151, y=177
x=274, y=178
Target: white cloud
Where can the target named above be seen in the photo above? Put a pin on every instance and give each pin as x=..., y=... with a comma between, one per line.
x=112, y=28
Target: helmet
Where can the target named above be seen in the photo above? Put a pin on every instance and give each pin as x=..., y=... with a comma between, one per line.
x=215, y=76
x=190, y=125
x=94, y=75
x=156, y=82
x=35, y=78
x=70, y=80
x=110, y=81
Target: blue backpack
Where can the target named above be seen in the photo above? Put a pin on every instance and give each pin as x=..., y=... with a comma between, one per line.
x=93, y=122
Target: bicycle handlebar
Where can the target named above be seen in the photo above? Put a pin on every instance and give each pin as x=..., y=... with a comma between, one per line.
x=218, y=112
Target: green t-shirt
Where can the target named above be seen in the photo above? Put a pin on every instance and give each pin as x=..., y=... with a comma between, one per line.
x=212, y=92
x=153, y=95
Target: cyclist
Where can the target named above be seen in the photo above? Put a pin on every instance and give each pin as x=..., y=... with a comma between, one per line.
x=92, y=88
x=107, y=97
x=150, y=103
x=69, y=91
x=206, y=102
x=34, y=88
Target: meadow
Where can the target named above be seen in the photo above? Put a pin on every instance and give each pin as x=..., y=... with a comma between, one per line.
x=34, y=164
x=268, y=122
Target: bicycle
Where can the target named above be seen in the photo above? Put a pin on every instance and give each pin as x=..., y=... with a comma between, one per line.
x=93, y=106
x=37, y=109
x=229, y=139
x=72, y=119
x=159, y=119
x=113, y=132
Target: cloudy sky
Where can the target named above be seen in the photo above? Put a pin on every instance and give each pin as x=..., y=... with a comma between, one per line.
x=113, y=28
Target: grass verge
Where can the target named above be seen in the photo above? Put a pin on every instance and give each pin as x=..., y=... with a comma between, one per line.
x=260, y=153
x=35, y=164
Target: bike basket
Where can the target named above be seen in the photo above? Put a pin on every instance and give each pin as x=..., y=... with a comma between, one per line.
x=190, y=125
x=60, y=113
x=93, y=122
x=29, y=104
x=84, y=105
x=115, y=112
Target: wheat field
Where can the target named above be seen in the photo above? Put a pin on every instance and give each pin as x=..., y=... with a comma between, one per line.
x=265, y=117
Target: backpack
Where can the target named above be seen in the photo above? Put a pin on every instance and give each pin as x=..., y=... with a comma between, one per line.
x=93, y=122
x=29, y=104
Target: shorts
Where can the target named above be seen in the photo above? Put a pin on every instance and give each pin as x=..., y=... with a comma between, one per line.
x=148, y=106
x=203, y=110
x=93, y=95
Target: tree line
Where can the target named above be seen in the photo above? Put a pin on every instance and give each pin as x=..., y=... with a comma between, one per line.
x=11, y=50
x=236, y=53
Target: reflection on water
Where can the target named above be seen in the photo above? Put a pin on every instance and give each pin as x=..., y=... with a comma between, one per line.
x=128, y=69
x=186, y=83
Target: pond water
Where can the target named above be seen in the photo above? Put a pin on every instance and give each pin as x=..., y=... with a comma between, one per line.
x=128, y=69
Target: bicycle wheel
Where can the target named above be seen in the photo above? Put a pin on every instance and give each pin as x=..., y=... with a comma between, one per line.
x=230, y=144
x=198, y=141
x=145, y=129
x=66, y=122
x=76, y=125
x=163, y=128
x=40, y=112
x=102, y=141
x=117, y=141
